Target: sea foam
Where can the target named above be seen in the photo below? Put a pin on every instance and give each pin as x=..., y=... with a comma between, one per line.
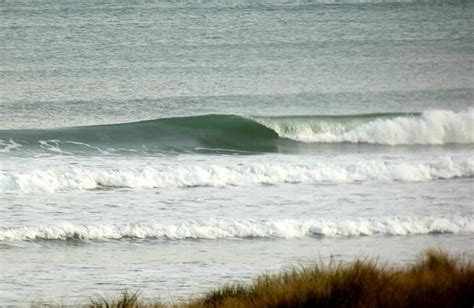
x=221, y=229
x=431, y=127
x=239, y=171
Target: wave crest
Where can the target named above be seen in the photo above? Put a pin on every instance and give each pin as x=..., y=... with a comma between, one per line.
x=255, y=171
x=219, y=229
x=431, y=127
x=256, y=134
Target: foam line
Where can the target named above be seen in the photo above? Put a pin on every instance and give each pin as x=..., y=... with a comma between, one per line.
x=241, y=172
x=222, y=229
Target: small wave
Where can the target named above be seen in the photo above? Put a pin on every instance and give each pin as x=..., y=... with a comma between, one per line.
x=242, y=172
x=228, y=229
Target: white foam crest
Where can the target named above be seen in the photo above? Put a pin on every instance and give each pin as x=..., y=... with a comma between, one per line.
x=53, y=146
x=7, y=146
x=344, y=169
x=82, y=144
x=432, y=127
x=219, y=229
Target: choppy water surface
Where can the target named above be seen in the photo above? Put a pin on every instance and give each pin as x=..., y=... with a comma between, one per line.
x=172, y=147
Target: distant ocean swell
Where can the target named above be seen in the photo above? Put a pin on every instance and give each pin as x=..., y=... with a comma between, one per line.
x=217, y=229
x=222, y=172
x=435, y=127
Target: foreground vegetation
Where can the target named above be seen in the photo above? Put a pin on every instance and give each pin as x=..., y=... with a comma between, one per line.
x=437, y=280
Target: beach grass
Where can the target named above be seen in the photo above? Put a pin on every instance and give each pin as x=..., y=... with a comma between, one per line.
x=436, y=280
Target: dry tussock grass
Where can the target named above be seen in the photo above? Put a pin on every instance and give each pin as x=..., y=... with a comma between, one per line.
x=435, y=281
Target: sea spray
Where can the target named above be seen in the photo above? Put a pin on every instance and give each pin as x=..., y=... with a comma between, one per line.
x=430, y=127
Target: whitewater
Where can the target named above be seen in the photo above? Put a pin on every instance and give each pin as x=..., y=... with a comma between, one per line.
x=165, y=173
x=172, y=147
x=430, y=127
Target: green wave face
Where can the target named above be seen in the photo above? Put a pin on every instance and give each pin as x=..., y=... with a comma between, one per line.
x=217, y=133
x=207, y=132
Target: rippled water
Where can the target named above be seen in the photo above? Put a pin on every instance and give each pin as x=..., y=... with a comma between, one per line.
x=172, y=147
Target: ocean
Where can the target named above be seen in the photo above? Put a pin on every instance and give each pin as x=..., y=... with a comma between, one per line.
x=174, y=146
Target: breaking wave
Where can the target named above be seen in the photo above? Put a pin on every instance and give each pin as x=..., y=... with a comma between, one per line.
x=256, y=171
x=267, y=134
x=427, y=128
x=222, y=229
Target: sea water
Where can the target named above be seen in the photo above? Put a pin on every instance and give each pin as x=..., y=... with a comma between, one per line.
x=172, y=147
